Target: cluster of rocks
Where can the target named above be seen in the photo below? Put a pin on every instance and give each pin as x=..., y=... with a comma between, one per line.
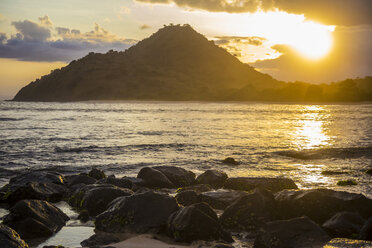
x=172, y=201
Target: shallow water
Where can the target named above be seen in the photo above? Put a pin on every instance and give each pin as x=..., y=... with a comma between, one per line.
x=122, y=137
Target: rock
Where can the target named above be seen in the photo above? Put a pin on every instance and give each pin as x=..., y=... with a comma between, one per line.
x=321, y=204
x=96, y=197
x=369, y=172
x=215, y=178
x=196, y=222
x=347, y=243
x=99, y=239
x=198, y=188
x=250, y=183
x=348, y=182
x=118, y=182
x=187, y=197
x=178, y=176
x=33, y=190
x=139, y=213
x=222, y=246
x=80, y=179
x=39, y=177
x=154, y=178
x=221, y=199
x=35, y=219
x=97, y=174
x=10, y=238
x=250, y=212
x=84, y=216
x=230, y=161
x=294, y=233
x=366, y=231
x=344, y=225
x=54, y=246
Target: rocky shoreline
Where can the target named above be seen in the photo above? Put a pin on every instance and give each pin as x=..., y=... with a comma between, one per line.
x=177, y=209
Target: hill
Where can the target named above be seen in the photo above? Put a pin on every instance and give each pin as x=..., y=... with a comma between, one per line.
x=175, y=63
x=178, y=63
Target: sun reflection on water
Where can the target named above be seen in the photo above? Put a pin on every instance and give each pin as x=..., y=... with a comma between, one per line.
x=310, y=132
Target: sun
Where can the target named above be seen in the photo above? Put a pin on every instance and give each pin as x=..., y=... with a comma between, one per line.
x=310, y=39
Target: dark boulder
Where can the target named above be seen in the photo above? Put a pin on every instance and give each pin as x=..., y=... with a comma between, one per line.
x=97, y=174
x=100, y=239
x=95, y=197
x=294, y=233
x=230, y=161
x=221, y=199
x=250, y=183
x=215, y=178
x=118, y=182
x=84, y=216
x=35, y=219
x=139, y=213
x=366, y=231
x=33, y=190
x=178, y=176
x=80, y=179
x=220, y=245
x=321, y=204
x=10, y=238
x=250, y=212
x=196, y=222
x=187, y=197
x=38, y=176
x=348, y=243
x=154, y=178
x=344, y=225
x=198, y=188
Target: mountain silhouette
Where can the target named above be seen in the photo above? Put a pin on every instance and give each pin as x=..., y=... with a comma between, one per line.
x=175, y=63
x=178, y=63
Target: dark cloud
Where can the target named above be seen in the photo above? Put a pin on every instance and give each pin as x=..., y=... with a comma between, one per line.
x=335, y=12
x=351, y=57
x=35, y=42
x=251, y=40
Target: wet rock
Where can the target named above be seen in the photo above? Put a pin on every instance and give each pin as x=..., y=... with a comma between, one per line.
x=344, y=225
x=294, y=233
x=187, y=197
x=96, y=197
x=39, y=177
x=198, y=188
x=215, y=178
x=369, y=172
x=35, y=219
x=118, y=182
x=139, y=213
x=222, y=246
x=221, y=199
x=84, y=216
x=154, y=178
x=99, y=239
x=178, y=176
x=33, y=190
x=54, y=246
x=196, y=222
x=366, y=231
x=230, y=161
x=250, y=212
x=80, y=179
x=250, y=183
x=321, y=204
x=97, y=174
x=347, y=243
x=10, y=238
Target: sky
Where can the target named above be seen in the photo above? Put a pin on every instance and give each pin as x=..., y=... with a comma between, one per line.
x=317, y=41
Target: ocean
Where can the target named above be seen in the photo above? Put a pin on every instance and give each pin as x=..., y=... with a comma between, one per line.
x=291, y=140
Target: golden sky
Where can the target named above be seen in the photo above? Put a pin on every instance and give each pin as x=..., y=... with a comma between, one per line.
x=315, y=41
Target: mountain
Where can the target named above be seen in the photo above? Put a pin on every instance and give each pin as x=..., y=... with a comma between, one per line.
x=178, y=63
x=175, y=63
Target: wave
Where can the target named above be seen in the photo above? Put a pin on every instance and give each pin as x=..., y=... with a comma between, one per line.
x=11, y=119
x=324, y=153
x=75, y=149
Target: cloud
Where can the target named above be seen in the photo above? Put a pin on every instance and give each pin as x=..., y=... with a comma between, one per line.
x=42, y=42
x=144, y=26
x=351, y=57
x=332, y=12
x=251, y=40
